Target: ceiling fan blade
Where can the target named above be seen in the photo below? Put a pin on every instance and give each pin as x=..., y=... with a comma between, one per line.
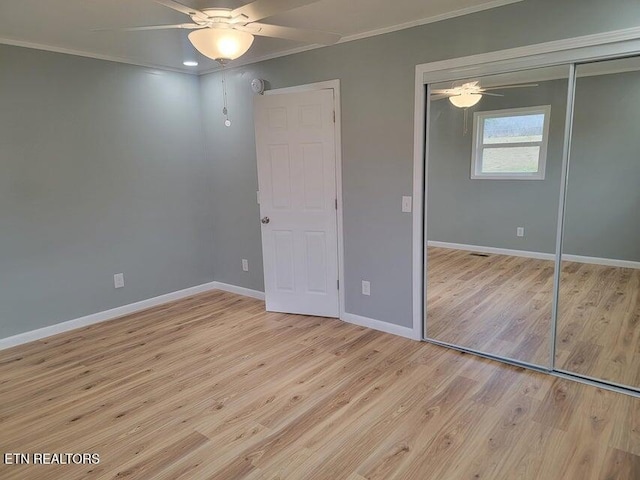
x=524, y=85
x=153, y=27
x=178, y=7
x=306, y=36
x=444, y=91
x=266, y=8
x=435, y=98
x=491, y=94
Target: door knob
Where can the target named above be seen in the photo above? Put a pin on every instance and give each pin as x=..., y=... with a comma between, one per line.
x=265, y=220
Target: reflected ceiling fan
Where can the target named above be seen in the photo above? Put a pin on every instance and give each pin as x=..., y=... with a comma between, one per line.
x=470, y=93
x=224, y=34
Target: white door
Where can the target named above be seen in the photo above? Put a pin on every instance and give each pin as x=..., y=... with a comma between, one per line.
x=295, y=143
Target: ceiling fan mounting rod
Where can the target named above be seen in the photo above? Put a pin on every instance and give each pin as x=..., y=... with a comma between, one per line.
x=218, y=17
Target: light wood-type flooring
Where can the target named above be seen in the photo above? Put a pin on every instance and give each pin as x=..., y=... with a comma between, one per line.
x=213, y=387
x=501, y=304
x=599, y=322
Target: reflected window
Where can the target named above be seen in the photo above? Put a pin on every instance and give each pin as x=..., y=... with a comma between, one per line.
x=510, y=144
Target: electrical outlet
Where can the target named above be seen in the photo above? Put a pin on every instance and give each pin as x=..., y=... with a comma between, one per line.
x=118, y=280
x=245, y=265
x=520, y=231
x=406, y=204
x=366, y=287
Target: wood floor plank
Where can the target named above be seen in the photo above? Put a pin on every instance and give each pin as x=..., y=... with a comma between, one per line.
x=214, y=387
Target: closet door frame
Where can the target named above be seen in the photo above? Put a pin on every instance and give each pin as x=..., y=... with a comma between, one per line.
x=571, y=52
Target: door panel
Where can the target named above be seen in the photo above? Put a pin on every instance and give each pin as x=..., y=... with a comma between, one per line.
x=295, y=143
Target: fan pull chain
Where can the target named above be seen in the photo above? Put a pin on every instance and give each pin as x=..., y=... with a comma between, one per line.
x=466, y=120
x=225, y=110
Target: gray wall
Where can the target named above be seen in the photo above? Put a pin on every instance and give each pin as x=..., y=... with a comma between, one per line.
x=603, y=200
x=603, y=197
x=377, y=79
x=101, y=171
x=487, y=212
x=102, y=167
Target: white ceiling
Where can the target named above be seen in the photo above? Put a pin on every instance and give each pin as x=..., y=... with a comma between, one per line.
x=67, y=26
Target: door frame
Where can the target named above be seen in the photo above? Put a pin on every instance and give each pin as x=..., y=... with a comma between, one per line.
x=335, y=86
x=586, y=48
x=572, y=51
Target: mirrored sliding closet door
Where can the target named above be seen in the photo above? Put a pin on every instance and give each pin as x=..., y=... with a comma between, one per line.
x=494, y=171
x=598, y=331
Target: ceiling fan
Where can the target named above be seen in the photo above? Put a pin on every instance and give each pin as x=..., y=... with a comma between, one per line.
x=470, y=93
x=224, y=34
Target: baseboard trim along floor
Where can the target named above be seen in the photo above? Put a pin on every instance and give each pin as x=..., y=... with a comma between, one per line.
x=114, y=313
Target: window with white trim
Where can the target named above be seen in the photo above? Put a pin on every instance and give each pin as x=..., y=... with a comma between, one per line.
x=510, y=144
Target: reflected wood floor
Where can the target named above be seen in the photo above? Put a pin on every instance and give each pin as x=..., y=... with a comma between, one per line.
x=213, y=387
x=498, y=304
x=599, y=322
x=502, y=305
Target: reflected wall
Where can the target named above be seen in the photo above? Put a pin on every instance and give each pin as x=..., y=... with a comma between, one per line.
x=598, y=330
x=493, y=189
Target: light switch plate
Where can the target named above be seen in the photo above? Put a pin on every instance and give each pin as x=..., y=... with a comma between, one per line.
x=118, y=280
x=520, y=231
x=407, y=204
x=366, y=287
x=245, y=265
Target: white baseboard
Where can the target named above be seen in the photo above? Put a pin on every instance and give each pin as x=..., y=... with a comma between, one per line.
x=497, y=251
x=379, y=325
x=239, y=290
x=44, y=332
x=607, y=262
x=113, y=313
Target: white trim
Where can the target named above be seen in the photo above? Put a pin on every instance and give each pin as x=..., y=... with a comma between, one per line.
x=380, y=326
x=492, y=250
x=478, y=145
x=432, y=19
x=371, y=33
x=97, y=56
x=117, y=312
x=335, y=86
x=308, y=87
x=571, y=50
x=103, y=316
x=245, y=292
x=419, y=260
x=607, y=262
x=240, y=63
x=580, y=49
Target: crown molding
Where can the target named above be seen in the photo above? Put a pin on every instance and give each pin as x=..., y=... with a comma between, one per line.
x=370, y=33
x=350, y=38
x=80, y=53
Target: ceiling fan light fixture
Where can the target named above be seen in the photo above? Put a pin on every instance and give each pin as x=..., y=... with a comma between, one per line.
x=465, y=100
x=221, y=43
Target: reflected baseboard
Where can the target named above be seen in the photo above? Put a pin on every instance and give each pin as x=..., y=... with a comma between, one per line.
x=609, y=262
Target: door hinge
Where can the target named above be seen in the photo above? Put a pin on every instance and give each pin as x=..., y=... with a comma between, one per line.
x=336, y=203
x=334, y=116
x=338, y=284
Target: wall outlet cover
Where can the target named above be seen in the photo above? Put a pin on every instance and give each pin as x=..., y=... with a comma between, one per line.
x=118, y=280
x=366, y=287
x=407, y=204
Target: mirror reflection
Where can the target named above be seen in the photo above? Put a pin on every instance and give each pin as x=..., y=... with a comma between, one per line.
x=493, y=187
x=599, y=302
